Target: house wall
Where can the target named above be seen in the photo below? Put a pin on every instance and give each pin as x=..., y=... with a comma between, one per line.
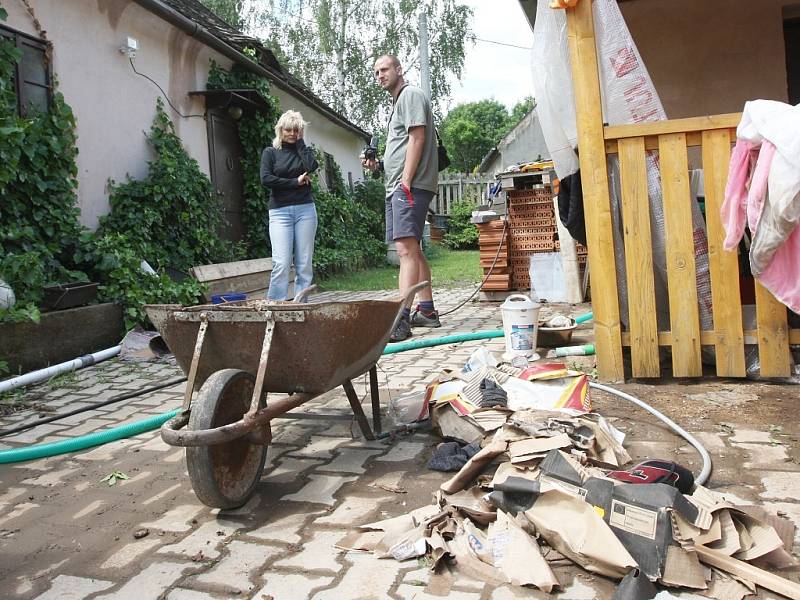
x=524, y=143
x=344, y=145
x=114, y=107
x=711, y=56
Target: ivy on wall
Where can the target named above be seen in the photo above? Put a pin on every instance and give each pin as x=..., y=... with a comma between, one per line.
x=39, y=228
x=170, y=218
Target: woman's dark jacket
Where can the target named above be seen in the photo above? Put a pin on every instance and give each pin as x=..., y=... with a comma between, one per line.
x=280, y=170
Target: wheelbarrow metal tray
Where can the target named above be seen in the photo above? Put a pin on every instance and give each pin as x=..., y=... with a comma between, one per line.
x=314, y=348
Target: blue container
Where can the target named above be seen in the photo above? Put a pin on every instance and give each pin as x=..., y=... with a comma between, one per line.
x=223, y=298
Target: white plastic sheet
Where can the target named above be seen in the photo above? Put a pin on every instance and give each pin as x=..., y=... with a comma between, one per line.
x=628, y=96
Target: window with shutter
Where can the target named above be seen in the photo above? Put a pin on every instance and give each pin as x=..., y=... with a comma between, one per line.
x=32, y=78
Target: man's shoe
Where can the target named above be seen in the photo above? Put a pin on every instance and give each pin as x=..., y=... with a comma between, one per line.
x=402, y=331
x=420, y=319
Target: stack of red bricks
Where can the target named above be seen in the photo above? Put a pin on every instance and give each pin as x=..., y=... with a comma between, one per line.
x=583, y=254
x=493, y=242
x=532, y=229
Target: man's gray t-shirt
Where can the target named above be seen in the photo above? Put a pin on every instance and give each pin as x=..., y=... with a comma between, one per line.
x=411, y=109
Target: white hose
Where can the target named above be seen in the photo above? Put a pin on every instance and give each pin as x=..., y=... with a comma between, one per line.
x=48, y=372
x=705, y=472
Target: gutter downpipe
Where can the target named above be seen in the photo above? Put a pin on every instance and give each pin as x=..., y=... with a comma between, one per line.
x=199, y=32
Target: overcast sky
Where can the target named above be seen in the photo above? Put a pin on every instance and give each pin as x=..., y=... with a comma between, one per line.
x=491, y=70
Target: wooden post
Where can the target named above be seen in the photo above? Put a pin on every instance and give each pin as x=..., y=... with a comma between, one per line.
x=596, y=199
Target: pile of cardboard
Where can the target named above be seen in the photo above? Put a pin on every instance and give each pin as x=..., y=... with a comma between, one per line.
x=547, y=498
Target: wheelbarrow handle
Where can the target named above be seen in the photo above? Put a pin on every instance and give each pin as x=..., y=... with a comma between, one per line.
x=302, y=295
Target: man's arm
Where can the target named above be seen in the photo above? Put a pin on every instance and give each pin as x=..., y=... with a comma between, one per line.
x=416, y=143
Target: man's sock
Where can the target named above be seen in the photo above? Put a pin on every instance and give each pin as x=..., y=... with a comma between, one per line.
x=406, y=313
x=426, y=307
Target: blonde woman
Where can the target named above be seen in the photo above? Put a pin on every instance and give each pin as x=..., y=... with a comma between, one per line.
x=286, y=169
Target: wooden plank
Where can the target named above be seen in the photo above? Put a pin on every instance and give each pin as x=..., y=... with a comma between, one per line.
x=232, y=269
x=705, y=123
x=724, y=266
x=596, y=199
x=709, y=338
x=639, y=259
x=681, y=273
x=739, y=568
x=693, y=138
x=773, y=338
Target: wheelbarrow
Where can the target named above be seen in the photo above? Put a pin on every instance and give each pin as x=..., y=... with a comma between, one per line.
x=236, y=354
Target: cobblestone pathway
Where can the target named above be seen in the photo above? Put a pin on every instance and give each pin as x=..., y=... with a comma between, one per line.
x=66, y=535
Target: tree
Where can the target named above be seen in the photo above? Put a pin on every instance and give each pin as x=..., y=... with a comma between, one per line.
x=229, y=11
x=471, y=130
x=331, y=45
x=521, y=108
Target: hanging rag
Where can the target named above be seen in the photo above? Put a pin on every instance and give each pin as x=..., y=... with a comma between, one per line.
x=763, y=192
x=570, y=206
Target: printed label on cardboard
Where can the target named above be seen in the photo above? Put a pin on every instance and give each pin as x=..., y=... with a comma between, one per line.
x=633, y=519
x=548, y=483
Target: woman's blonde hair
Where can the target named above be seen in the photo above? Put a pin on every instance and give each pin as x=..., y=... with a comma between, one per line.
x=291, y=119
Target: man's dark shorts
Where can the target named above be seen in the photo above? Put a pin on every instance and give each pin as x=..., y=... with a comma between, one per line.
x=405, y=213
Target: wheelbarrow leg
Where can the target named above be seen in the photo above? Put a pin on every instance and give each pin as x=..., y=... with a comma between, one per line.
x=357, y=410
x=376, y=399
x=198, y=348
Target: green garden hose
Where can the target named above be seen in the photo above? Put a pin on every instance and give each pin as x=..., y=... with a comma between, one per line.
x=86, y=441
x=99, y=438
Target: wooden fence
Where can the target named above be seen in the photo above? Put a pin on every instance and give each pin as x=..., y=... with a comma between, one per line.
x=672, y=139
x=714, y=135
x=458, y=186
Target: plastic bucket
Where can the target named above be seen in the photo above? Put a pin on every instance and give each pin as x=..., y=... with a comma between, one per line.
x=520, y=324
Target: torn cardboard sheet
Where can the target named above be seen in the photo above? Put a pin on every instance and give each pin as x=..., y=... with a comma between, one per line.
x=471, y=504
x=574, y=528
x=525, y=450
x=451, y=425
x=568, y=392
x=517, y=555
x=474, y=467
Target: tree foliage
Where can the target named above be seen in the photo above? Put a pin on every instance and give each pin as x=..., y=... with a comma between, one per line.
x=331, y=45
x=229, y=11
x=471, y=130
x=521, y=108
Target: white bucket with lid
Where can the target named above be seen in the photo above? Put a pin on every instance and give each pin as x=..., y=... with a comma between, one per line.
x=520, y=325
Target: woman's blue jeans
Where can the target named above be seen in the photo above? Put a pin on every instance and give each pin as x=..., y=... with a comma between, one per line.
x=291, y=232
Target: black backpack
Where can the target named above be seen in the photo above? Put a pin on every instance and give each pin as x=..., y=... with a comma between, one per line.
x=441, y=151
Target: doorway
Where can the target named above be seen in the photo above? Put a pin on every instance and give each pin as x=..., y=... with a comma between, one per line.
x=225, y=149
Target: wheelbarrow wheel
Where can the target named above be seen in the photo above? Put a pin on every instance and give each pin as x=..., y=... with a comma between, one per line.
x=224, y=475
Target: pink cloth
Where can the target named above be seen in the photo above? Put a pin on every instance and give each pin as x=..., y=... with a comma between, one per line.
x=745, y=195
x=758, y=185
x=780, y=276
x=733, y=210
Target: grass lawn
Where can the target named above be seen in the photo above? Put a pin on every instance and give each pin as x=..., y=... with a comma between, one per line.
x=450, y=268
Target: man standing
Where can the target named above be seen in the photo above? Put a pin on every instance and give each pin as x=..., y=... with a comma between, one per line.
x=412, y=171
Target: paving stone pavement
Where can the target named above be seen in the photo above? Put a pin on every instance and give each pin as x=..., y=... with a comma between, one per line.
x=66, y=534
